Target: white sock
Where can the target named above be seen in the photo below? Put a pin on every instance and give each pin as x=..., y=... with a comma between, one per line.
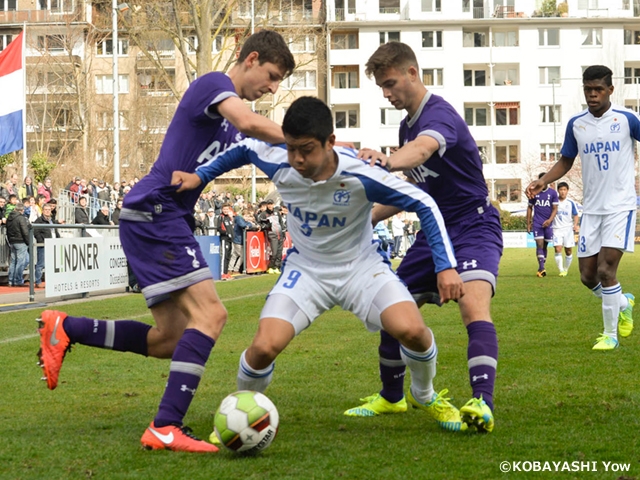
x=558, y=258
x=252, y=379
x=610, y=309
x=422, y=366
x=567, y=262
x=624, y=302
x=597, y=290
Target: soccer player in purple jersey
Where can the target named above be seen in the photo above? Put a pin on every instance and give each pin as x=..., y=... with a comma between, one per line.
x=439, y=154
x=543, y=208
x=156, y=225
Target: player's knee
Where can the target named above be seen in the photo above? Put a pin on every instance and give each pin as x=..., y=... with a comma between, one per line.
x=262, y=353
x=415, y=337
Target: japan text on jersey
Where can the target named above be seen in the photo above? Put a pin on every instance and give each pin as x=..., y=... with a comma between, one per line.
x=605, y=146
x=330, y=220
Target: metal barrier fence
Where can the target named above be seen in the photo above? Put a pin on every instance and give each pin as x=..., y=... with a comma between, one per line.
x=67, y=201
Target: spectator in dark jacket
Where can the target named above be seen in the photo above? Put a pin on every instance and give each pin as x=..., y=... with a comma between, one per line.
x=102, y=217
x=40, y=234
x=115, y=216
x=18, y=237
x=82, y=213
x=240, y=224
x=225, y=228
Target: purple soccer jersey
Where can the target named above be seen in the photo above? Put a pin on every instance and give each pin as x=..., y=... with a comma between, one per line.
x=156, y=223
x=453, y=176
x=542, y=205
x=195, y=135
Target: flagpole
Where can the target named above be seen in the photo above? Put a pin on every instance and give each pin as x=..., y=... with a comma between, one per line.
x=24, y=109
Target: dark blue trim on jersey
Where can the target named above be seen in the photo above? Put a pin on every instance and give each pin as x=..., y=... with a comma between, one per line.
x=634, y=123
x=570, y=146
x=236, y=156
x=574, y=208
x=379, y=193
x=628, y=232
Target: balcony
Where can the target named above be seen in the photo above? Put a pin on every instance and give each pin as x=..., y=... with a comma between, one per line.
x=42, y=16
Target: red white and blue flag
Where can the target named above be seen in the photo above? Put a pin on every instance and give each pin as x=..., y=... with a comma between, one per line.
x=12, y=96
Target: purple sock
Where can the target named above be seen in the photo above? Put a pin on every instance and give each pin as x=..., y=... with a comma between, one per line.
x=120, y=335
x=541, y=258
x=187, y=366
x=482, y=355
x=392, y=368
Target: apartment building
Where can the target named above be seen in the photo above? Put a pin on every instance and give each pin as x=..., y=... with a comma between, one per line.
x=512, y=69
x=70, y=87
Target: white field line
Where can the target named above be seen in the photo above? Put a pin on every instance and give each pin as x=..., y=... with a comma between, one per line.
x=148, y=314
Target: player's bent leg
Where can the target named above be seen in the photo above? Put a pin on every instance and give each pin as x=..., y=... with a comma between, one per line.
x=419, y=352
x=58, y=332
x=207, y=316
x=482, y=354
x=171, y=322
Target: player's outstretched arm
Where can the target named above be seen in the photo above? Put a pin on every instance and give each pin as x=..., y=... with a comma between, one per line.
x=450, y=285
x=559, y=169
x=187, y=181
x=413, y=154
x=250, y=123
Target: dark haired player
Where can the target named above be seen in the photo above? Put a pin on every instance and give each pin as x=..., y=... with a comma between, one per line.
x=603, y=136
x=156, y=225
x=329, y=194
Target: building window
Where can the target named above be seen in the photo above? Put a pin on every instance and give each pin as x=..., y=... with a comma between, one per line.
x=302, y=44
x=389, y=37
x=505, y=39
x=631, y=75
x=508, y=190
x=475, y=38
x=591, y=36
x=432, y=77
x=56, y=6
x=476, y=115
x=344, y=41
x=8, y=5
x=475, y=78
x=483, y=152
x=507, y=113
x=389, y=6
x=632, y=37
x=5, y=40
x=549, y=75
x=507, y=154
x=389, y=150
x=466, y=6
x=549, y=37
x=431, y=5
x=52, y=43
x=300, y=80
x=548, y=152
x=390, y=117
x=104, y=84
x=550, y=113
x=105, y=47
x=217, y=44
x=347, y=118
x=346, y=77
x=432, y=39
x=506, y=75
x=587, y=4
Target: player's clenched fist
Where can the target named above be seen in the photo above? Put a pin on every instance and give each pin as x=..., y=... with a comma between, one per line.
x=187, y=181
x=450, y=285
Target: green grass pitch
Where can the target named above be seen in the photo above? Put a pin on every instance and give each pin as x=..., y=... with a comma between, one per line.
x=556, y=399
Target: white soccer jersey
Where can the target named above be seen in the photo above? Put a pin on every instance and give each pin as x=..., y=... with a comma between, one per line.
x=564, y=217
x=606, y=149
x=330, y=220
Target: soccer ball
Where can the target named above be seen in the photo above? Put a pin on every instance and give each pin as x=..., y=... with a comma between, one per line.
x=246, y=422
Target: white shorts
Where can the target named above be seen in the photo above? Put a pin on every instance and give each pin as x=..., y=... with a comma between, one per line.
x=616, y=230
x=564, y=237
x=306, y=289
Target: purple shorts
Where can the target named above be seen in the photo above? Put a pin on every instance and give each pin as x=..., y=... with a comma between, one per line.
x=543, y=232
x=477, y=243
x=165, y=257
